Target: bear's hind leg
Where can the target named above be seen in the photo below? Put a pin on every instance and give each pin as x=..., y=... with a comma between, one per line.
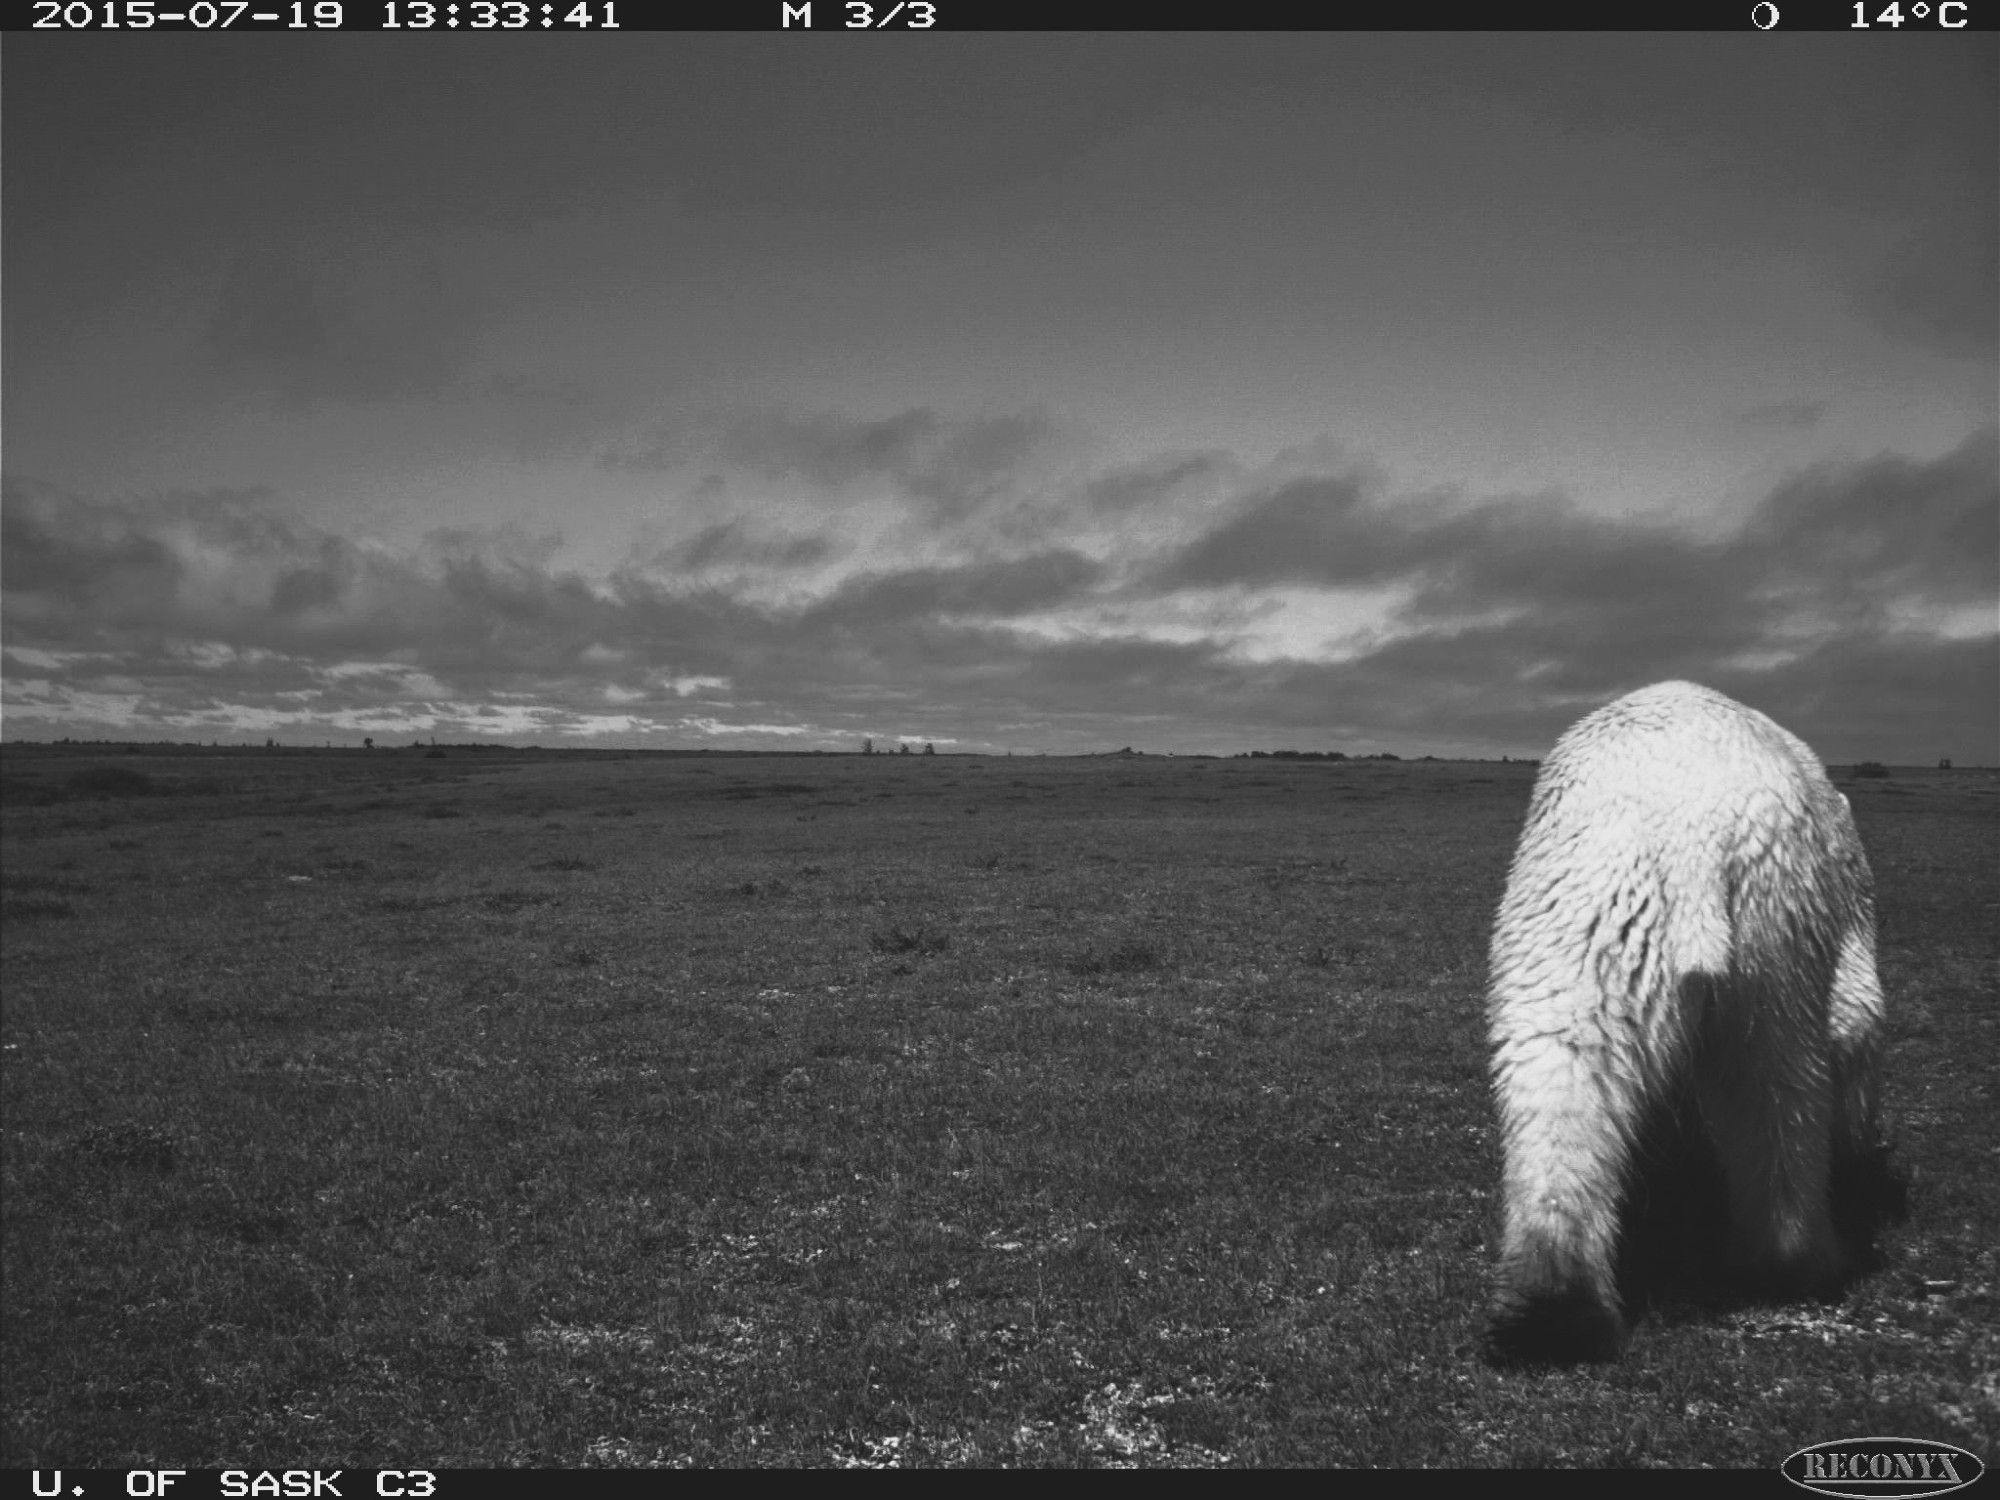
x=1866, y=1190
x=1568, y=1120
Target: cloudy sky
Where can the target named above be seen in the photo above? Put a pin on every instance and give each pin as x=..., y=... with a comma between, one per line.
x=1038, y=392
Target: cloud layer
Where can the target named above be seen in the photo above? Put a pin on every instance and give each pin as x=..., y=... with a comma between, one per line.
x=1322, y=608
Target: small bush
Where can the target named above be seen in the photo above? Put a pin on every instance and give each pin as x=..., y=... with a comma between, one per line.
x=1872, y=769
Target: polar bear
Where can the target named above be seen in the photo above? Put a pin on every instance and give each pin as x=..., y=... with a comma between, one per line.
x=1688, y=935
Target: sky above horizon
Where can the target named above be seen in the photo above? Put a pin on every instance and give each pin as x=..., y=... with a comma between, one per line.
x=1007, y=392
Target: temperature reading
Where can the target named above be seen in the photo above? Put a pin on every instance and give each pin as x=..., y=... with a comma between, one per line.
x=1894, y=16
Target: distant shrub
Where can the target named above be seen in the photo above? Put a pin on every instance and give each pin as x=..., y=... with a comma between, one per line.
x=1872, y=769
x=112, y=781
x=434, y=755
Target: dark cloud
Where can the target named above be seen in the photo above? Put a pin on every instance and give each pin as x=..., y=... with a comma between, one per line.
x=1160, y=479
x=302, y=589
x=731, y=542
x=954, y=465
x=1642, y=589
x=506, y=549
x=1314, y=530
x=998, y=589
x=1896, y=696
x=1890, y=531
x=68, y=566
x=1833, y=601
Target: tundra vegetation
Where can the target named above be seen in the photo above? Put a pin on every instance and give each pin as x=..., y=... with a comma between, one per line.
x=570, y=1108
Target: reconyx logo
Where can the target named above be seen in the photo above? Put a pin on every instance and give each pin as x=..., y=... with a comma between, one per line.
x=1877, y=1466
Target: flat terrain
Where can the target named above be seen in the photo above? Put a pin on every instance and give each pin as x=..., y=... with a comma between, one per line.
x=517, y=1108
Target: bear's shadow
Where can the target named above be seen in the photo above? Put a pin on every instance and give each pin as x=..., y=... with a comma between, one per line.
x=1674, y=1225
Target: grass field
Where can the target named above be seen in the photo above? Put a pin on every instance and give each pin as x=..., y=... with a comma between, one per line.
x=517, y=1108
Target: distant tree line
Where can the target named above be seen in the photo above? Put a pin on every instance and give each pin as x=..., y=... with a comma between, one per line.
x=1304, y=755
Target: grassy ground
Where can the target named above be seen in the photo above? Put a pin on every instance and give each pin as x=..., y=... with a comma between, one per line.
x=510, y=1109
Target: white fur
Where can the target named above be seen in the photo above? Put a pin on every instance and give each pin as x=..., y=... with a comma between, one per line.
x=1689, y=907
